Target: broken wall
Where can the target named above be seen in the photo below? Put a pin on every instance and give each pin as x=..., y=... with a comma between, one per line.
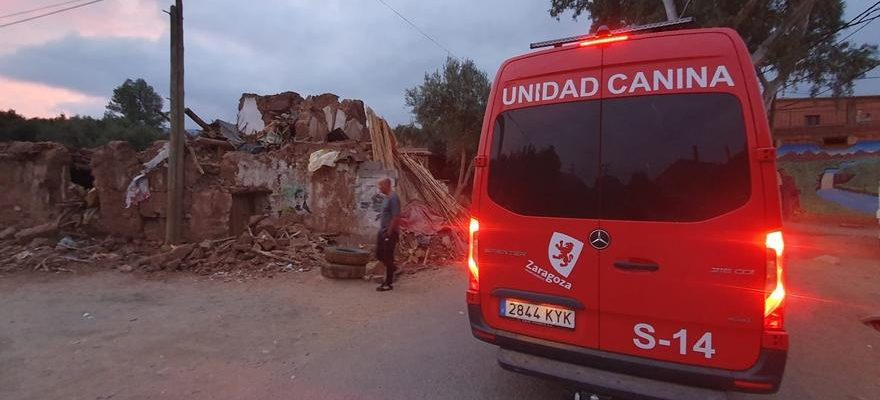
x=250, y=119
x=34, y=179
x=285, y=116
x=237, y=185
x=206, y=202
x=113, y=166
x=331, y=199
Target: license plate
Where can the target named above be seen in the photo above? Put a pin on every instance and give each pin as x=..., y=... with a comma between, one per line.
x=537, y=313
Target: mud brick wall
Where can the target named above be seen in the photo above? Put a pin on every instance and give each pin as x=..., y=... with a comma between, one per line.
x=113, y=166
x=206, y=203
x=238, y=185
x=324, y=200
x=34, y=179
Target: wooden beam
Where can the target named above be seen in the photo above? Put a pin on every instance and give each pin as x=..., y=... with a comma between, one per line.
x=200, y=122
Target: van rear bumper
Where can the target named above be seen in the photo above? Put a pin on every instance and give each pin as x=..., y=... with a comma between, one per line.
x=603, y=382
x=764, y=376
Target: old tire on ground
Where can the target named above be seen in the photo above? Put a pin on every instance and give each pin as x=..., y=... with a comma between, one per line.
x=346, y=256
x=340, y=271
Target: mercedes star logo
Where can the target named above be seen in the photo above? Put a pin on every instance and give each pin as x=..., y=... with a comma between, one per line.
x=599, y=239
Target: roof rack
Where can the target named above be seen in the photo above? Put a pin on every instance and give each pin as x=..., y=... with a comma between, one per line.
x=606, y=32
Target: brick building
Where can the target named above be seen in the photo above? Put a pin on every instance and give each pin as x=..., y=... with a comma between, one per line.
x=830, y=122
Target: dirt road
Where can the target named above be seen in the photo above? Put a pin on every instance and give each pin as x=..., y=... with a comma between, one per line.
x=110, y=335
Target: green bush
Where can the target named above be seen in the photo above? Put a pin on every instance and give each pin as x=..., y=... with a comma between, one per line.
x=76, y=131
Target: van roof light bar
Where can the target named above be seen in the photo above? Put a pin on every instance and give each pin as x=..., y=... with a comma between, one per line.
x=600, y=32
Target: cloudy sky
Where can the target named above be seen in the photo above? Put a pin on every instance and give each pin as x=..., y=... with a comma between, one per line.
x=69, y=63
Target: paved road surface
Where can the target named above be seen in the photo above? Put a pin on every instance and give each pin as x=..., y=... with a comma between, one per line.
x=303, y=337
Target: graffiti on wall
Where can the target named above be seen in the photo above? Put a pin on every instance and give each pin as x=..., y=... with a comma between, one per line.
x=806, y=150
x=830, y=180
x=296, y=197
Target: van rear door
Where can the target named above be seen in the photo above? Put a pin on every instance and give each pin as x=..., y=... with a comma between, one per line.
x=538, y=200
x=681, y=201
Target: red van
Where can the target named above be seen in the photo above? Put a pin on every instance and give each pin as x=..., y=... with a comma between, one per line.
x=626, y=229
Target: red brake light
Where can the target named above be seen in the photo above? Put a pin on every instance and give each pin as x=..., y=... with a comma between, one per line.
x=775, y=288
x=474, y=281
x=775, y=242
x=609, y=39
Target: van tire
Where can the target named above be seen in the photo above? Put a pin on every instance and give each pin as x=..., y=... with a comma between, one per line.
x=346, y=256
x=340, y=271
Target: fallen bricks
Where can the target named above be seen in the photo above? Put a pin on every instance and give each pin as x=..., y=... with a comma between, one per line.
x=293, y=249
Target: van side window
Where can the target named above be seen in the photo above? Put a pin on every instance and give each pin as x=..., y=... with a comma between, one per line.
x=673, y=157
x=545, y=160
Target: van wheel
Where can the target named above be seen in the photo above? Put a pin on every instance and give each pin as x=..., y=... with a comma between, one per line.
x=341, y=271
x=346, y=256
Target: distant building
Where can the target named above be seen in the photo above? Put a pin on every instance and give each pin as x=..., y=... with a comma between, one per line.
x=826, y=122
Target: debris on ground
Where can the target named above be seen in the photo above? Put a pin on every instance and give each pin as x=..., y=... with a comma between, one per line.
x=264, y=195
x=291, y=248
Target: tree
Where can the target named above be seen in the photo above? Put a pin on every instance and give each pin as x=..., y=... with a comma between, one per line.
x=450, y=104
x=137, y=103
x=792, y=42
x=412, y=135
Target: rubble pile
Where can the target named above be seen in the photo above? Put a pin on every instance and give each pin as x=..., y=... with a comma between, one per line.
x=265, y=248
x=265, y=122
x=258, y=193
x=38, y=249
x=274, y=249
x=324, y=119
x=416, y=252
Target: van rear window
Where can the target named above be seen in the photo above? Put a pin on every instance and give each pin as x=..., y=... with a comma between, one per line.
x=650, y=158
x=545, y=160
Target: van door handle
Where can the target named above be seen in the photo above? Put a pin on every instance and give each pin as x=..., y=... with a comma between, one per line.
x=636, y=266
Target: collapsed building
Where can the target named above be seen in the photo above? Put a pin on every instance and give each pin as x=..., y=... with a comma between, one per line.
x=313, y=161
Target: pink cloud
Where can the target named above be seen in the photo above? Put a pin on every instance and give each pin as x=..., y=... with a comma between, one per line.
x=141, y=19
x=38, y=100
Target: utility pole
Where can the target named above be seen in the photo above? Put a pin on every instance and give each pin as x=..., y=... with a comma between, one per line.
x=174, y=207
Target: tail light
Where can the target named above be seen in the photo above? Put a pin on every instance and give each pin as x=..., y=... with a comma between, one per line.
x=474, y=275
x=773, y=310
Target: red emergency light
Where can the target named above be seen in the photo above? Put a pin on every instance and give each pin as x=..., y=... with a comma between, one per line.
x=607, y=36
x=603, y=40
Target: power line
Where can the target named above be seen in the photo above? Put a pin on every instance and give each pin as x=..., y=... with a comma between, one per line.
x=40, y=8
x=49, y=13
x=857, y=20
x=864, y=24
x=418, y=29
x=863, y=14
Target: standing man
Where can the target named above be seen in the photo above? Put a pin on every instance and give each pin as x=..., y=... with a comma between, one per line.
x=389, y=233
